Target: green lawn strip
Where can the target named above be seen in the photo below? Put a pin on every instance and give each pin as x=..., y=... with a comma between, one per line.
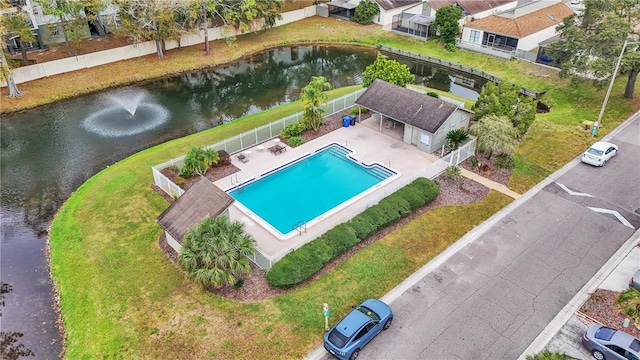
x=375, y=270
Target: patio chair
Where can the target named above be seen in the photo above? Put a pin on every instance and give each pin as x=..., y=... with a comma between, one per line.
x=242, y=158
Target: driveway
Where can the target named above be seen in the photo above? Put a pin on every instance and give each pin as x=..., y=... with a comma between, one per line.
x=497, y=288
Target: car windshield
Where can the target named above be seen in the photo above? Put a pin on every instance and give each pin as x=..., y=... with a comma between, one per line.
x=605, y=333
x=595, y=151
x=635, y=345
x=370, y=313
x=337, y=339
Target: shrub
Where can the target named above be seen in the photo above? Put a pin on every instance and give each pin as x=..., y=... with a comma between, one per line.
x=295, y=141
x=295, y=129
x=474, y=162
x=225, y=158
x=433, y=94
x=504, y=161
x=302, y=263
x=362, y=227
x=365, y=11
x=451, y=46
x=456, y=137
x=355, y=111
x=452, y=172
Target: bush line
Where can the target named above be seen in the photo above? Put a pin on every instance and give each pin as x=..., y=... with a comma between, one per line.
x=299, y=265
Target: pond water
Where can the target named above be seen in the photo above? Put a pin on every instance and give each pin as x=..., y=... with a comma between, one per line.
x=46, y=153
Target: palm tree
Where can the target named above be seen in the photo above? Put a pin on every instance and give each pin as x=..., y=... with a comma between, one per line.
x=211, y=157
x=629, y=302
x=548, y=355
x=315, y=98
x=496, y=134
x=215, y=253
x=456, y=137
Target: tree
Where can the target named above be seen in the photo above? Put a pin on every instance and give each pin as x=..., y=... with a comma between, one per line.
x=390, y=71
x=72, y=18
x=16, y=24
x=504, y=99
x=495, y=134
x=592, y=40
x=5, y=71
x=144, y=20
x=215, y=253
x=365, y=11
x=314, y=99
x=446, y=23
x=548, y=355
x=629, y=302
x=238, y=14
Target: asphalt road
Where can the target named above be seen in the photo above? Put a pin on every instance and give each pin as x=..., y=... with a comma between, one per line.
x=493, y=292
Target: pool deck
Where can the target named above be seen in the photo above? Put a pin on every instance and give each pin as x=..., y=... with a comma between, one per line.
x=369, y=146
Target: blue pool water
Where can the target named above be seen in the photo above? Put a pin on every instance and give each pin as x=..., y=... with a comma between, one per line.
x=308, y=187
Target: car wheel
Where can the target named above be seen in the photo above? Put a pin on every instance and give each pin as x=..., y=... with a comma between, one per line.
x=387, y=324
x=598, y=355
x=354, y=355
x=603, y=162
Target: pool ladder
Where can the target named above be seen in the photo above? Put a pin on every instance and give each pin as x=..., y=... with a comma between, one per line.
x=301, y=226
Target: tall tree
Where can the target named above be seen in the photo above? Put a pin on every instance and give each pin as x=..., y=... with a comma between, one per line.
x=593, y=39
x=158, y=20
x=314, y=98
x=238, y=15
x=504, y=99
x=215, y=253
x=5, y=70
x=446, y=23
x=71, y=18
x=495, y=134
x=17, y=24
x=388, y=70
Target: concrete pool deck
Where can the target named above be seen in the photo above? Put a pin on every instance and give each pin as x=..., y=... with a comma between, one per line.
x=369, y=146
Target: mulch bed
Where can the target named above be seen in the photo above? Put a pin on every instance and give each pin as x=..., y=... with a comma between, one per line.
x=257, y=288
x=600, y=307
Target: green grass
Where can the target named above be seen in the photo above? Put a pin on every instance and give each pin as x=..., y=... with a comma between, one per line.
x=121, y=298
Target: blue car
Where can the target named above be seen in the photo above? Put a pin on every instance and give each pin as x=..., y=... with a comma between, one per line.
x=357, y=328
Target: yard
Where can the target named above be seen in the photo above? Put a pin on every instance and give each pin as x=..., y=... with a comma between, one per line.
x=121, y=297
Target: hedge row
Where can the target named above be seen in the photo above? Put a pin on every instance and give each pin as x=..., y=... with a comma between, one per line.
x=302, y=263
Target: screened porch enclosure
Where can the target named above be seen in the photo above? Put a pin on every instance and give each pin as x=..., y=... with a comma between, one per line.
x=500, y=41
x=413, y=24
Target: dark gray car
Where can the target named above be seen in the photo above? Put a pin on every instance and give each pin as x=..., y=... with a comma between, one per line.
x=610, y=344
x=635, y=281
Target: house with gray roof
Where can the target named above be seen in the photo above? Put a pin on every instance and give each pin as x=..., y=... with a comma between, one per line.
x=345, y=9
x=203, y=199
x=425, y=120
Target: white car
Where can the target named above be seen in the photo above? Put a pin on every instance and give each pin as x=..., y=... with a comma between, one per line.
x=599, y=153
x=575, y=2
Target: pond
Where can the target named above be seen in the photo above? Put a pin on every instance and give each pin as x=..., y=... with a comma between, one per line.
x=46, y=153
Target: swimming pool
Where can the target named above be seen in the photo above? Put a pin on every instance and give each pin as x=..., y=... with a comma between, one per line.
x=308, y=187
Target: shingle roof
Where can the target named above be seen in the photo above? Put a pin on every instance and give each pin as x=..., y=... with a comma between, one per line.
x=407, y=106
x=526, y=24
x=393, y=4
x=472, y=7
x=202, y=199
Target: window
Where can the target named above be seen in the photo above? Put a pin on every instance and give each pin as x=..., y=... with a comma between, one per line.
x=474, y=37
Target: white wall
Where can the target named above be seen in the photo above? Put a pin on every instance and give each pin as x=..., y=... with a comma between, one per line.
x=532, y=41
x=50, y=68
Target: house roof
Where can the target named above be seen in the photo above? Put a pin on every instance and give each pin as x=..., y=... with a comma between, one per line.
x=407, y=106
x=471, y=7
x=394, y=4
x=202, y=199
x=524, y=25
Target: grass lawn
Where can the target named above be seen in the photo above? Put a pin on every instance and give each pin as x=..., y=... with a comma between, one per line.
x=121, y=298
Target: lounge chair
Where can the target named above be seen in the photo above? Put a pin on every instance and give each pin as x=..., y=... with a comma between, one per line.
x=242, y=158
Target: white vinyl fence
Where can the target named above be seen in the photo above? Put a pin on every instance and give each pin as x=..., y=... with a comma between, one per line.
x=248, y=139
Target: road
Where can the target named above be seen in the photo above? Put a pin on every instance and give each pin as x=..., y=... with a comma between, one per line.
x=497, y=288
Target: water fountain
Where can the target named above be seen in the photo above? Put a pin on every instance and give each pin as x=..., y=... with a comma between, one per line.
x=130, y=111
